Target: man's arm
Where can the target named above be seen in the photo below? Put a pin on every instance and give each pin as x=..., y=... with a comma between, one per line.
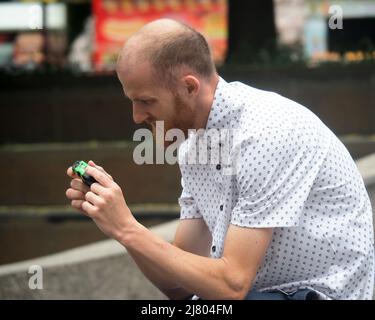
x=193, y=236
x=229, y=277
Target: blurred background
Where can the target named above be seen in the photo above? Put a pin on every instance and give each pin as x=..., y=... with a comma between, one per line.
x=60, y=100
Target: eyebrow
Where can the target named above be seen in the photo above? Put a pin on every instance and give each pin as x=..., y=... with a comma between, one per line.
x=143, y=97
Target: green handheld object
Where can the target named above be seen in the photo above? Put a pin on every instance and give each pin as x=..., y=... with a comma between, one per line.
x=79, y=168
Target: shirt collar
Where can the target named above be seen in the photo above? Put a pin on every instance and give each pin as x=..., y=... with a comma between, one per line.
x=219, y=116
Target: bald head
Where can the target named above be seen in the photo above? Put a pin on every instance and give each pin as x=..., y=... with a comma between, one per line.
x=170, y=47
x=161, y=28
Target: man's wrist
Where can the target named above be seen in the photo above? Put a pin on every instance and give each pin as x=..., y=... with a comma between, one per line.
x=130, y=232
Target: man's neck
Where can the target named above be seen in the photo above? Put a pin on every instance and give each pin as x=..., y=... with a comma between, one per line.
x=206, y=100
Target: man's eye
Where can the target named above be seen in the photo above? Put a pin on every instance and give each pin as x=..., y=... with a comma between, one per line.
x=141, y=101
x=148, y=102
x=145, y=102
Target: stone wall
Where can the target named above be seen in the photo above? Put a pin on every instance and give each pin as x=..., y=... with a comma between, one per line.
x=69, y=109
x=101, y=270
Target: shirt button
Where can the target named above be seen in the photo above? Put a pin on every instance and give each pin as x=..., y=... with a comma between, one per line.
x=221, y=208
x=213, y=248
x=218, y=167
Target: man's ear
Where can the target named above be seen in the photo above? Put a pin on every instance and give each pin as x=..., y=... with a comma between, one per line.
x=191, y=85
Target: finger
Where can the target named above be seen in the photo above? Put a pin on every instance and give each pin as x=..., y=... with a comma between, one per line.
x=99, y=176
x=98, y=189
x=73, y=194
x=77, y=184
x=77, y=204
x=90, y=209
x=93, y=164
x=93, y=198
x=70, y=173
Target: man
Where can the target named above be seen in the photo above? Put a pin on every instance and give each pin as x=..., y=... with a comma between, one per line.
x=292, y=220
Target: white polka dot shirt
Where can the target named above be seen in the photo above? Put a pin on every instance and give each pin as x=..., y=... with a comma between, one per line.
x=283, y=169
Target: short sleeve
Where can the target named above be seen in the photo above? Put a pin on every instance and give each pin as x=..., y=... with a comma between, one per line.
x=274, y=174
x=189, y=209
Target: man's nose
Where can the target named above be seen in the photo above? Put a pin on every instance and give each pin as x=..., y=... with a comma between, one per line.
x=138, y=115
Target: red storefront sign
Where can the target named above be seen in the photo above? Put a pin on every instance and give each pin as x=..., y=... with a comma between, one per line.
x=117, y=20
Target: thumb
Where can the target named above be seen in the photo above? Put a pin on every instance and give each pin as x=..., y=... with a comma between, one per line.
x=92, y=164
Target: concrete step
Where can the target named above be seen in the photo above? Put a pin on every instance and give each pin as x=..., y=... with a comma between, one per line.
x=44, y=230
x=103, y=270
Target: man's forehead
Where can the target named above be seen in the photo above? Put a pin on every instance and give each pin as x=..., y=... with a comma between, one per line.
x=137, y=75
x=140, y=88
x=129, y=68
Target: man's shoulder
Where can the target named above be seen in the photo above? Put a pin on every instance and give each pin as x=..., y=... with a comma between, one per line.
x=243, y=90
x=263, y=111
